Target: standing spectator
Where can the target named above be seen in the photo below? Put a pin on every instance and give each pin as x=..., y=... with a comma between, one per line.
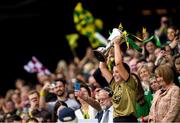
x=166, y=102
x=154, y=85
x=86, y=111
x=34, y=101
x=59, y=87
x=162, y=31
x=173, y=38
x=149, y=49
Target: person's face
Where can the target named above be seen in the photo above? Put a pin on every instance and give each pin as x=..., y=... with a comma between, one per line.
x=96, y=93
x=177, y=68
x=170, y=34
x=41, y=78
x=144, y=74
x=157, y=51
x=19, y=84
x=92, y=81
x=154, y=85
x=71, y=96
x=84, y=91
x=15, y=98
x=168, y=50
x=116, y=75
x=59, y=89
x=160, y=80
x=164, y=21
x=133, y=67
x=9, y=106
x=34, y=99
x=104, y=99
x=150, y=47
x=139, y=64
x=150, y=66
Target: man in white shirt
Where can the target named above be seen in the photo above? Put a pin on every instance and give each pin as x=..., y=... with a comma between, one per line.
x=106, y=115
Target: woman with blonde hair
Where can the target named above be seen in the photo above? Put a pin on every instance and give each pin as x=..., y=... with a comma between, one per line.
x=166, y=102
x=144, y=74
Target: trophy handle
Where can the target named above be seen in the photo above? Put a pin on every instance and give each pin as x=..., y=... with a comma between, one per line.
x=100, y=56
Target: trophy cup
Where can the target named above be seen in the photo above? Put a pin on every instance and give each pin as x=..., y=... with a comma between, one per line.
x=101, y=53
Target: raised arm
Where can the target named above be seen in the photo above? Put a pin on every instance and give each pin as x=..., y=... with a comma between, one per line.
x=91, y=101
x=174, y=43
x=105, y=72
x=118, y=58
x=42, y=100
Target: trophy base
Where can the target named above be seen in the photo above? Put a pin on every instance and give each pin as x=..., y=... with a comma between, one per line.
x=99, y=56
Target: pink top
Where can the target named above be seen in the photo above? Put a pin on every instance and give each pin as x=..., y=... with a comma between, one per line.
x=166, y=105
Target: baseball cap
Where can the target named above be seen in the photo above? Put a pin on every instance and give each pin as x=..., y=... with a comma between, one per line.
x=67, y=115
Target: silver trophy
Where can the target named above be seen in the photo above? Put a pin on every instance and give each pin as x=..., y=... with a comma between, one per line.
x=101, y=53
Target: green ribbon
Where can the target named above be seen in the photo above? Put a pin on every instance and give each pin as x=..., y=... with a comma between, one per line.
x=134, y=45
x=134, y=37
x=156, y=38
x=147, y=40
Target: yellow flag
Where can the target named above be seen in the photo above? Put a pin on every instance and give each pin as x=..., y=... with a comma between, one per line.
x=72, y=40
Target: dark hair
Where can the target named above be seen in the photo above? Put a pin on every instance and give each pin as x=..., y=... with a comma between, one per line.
x=57, y=104
x=61, y=80
x=126, y=66
x=87, y=88
x=41, y=113
x=140, y=91
x=12, y=118
x=146, y=53
x=33, y=92
x=109, y=90
x=46, y=114
x=99, y=78
x=36, y=113
x=172, y=27
x=32, y=119
x=166, y=72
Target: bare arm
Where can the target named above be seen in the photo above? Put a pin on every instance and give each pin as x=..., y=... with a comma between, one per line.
x=88, y=56
x=105, y=72
x=174, y=43
x=118, y=59
x=42, y=100
x=91, y=101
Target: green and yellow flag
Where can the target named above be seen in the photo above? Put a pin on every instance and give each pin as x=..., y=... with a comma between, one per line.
x=87, y=25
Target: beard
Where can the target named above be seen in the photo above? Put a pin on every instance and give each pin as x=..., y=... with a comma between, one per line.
x=60, y=93
x=103, y=107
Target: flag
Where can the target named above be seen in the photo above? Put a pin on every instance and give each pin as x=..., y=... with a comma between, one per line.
x=88, y=26
x=35, y=66
x=72, y=41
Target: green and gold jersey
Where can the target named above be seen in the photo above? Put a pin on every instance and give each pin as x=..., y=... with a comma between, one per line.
x=124, y=97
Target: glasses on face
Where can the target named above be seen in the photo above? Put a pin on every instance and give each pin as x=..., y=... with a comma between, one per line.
x=103, y=99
